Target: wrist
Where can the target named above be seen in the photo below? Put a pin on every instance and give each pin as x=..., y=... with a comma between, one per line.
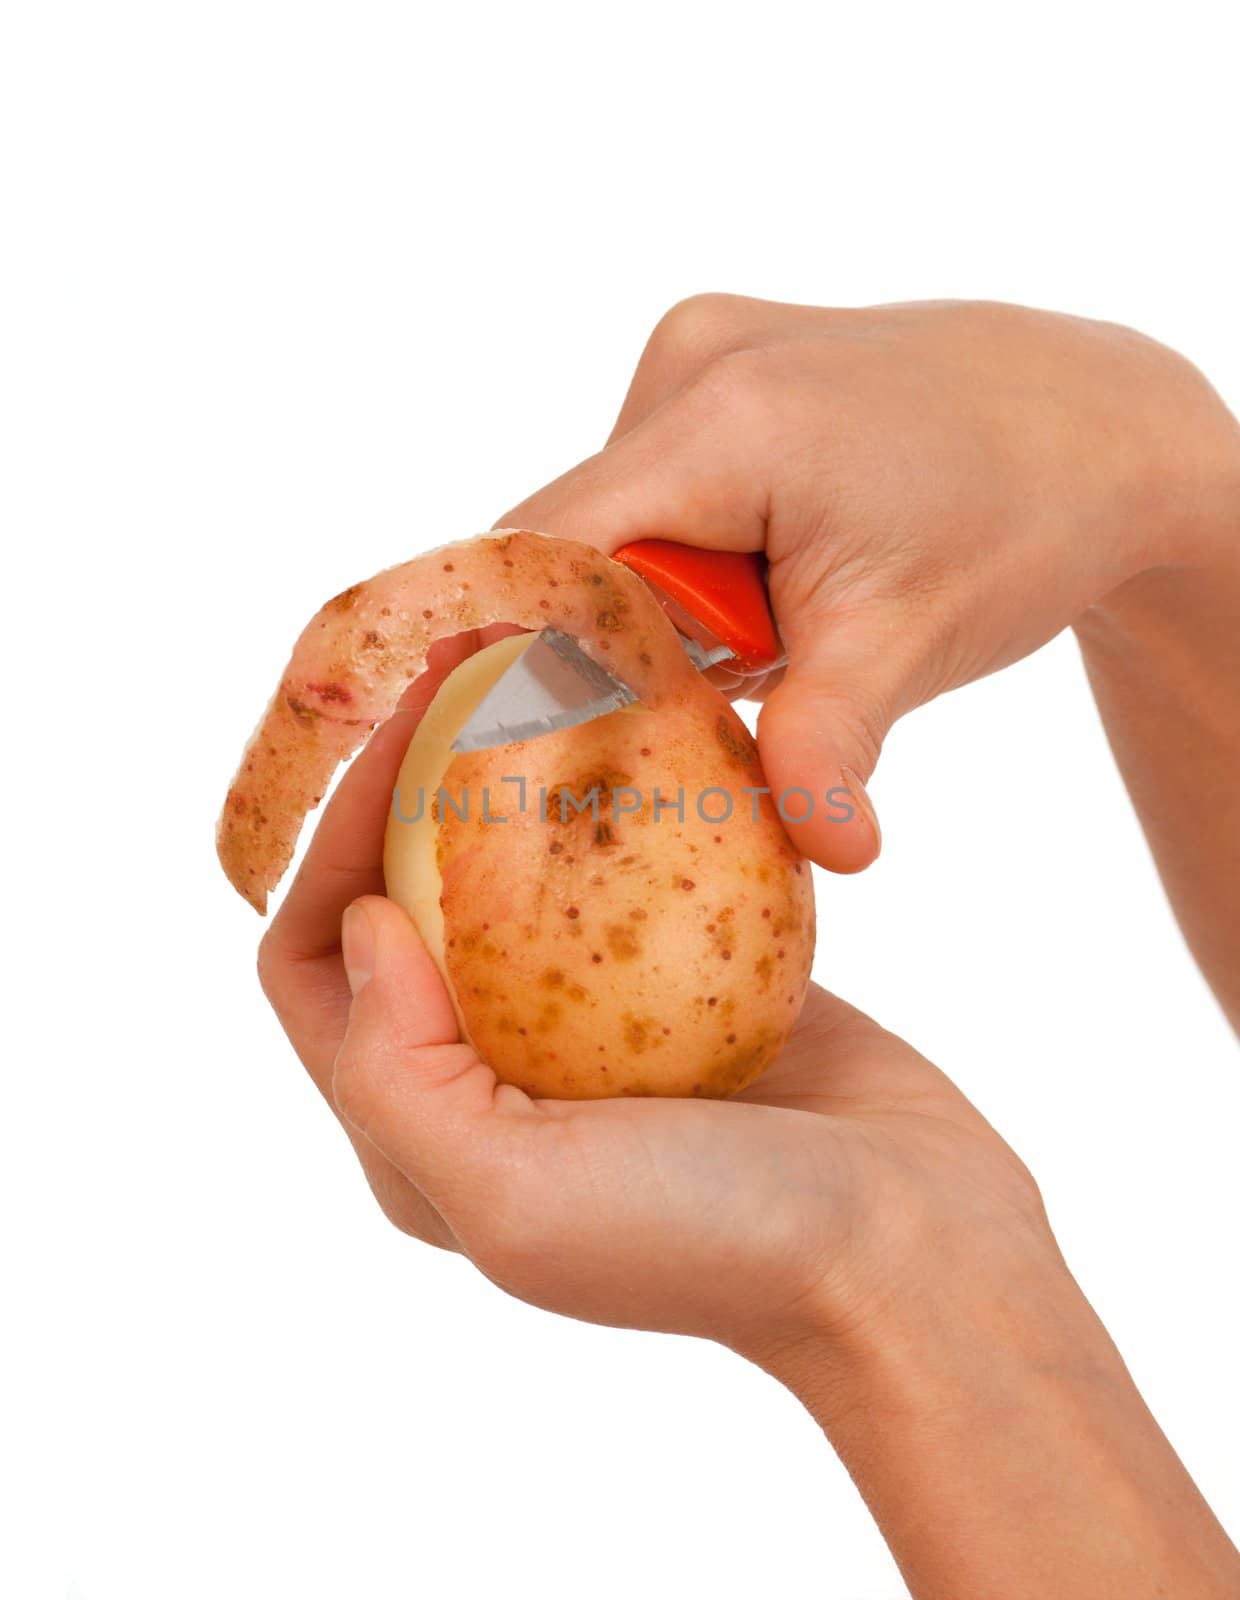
x=1184, y=508
x=1002, y=1447
x=989, y=1313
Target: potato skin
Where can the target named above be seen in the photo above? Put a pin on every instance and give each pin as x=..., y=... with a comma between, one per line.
x=618, y=954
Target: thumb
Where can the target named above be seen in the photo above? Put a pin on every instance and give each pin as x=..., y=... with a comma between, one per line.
x=403, y=1077
x=819, y=734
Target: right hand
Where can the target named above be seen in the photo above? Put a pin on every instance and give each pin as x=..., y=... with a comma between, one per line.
x=940, y=489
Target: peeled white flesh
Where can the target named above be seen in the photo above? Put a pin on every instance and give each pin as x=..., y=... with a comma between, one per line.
x=410, y=864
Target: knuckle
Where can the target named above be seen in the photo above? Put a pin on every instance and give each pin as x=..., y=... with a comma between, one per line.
x=699, y=329
x=407, y=1210
x=350, y=1089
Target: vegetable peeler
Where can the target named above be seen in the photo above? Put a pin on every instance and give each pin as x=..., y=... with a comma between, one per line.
x=717, y=601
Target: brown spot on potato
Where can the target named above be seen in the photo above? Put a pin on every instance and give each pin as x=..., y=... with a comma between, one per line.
x=639, y=1033
x=556, y=980
x=622, y=941
x=722, y=935
x=735, y=738
x=547, y=1017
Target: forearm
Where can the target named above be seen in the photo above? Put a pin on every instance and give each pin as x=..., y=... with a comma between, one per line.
x=999, y=1441
x=1163, y=658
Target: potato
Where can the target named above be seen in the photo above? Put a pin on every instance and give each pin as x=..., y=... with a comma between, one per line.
x=616, y=947
x=597, y=937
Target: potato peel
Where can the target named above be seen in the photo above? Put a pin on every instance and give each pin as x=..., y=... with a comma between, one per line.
x=361, y=650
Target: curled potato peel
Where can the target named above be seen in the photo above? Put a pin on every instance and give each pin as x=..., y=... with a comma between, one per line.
x=362, y=649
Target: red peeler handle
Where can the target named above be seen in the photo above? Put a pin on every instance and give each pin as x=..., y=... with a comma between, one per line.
x=724, y=590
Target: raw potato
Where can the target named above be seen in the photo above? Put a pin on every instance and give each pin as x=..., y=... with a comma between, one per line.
x=600, y=951
x=587, y=957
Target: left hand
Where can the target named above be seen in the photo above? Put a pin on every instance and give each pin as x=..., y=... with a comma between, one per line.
x=849, y=1222
x=816, y=1193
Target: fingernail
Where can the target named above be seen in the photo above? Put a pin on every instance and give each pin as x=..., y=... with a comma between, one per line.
x=357, y=945
x=865, y=805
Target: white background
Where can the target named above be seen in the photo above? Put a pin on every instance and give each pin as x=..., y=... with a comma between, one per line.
x=292, y=291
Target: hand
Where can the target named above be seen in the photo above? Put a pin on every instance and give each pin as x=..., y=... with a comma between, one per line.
x=850, y=1222
x=815, y=1193
x=940, y=489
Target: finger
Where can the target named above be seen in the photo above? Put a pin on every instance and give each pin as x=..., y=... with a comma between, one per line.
x=404, y=1079
x=696, y=470
x=311, y=999
x=821, y=730
x=300, y=964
